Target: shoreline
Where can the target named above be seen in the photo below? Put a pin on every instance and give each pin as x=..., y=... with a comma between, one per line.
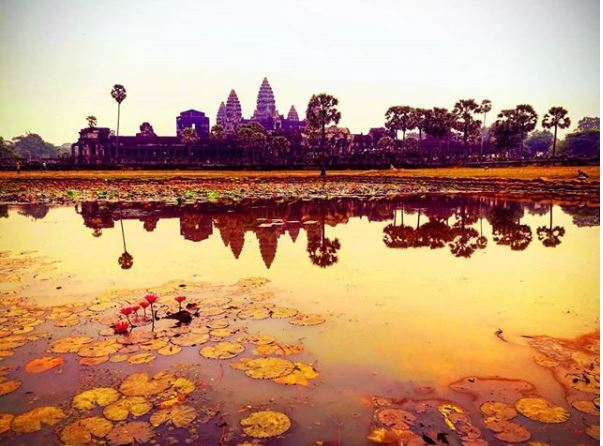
x=551, y=183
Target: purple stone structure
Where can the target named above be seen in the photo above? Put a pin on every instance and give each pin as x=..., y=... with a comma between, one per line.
x=193, y=119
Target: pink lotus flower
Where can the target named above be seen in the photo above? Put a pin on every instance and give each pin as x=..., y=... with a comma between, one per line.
x=180, y=299
x=151, y=298
x=121, y=327
x=126, y=311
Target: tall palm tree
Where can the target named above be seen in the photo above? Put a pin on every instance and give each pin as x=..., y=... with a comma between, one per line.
x=91, y=121
x=119, y=94
x=400, y=117
x=484, y=108
x=321, y=112
x=557, y=118
x=464, y=121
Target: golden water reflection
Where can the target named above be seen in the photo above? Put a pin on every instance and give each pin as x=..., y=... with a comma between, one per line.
x=413, y=288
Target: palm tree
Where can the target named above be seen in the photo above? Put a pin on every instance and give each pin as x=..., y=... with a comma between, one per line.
x=217, y=132
x=189, y=136
x=280, y=148
x=484, y=108
x=557, y=118
x=91, y=121
x=321, y=112
x=119, y=94
x=463, y=112
x=400, y=117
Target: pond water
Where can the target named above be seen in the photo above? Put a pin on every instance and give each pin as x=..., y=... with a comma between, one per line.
x=417, y=293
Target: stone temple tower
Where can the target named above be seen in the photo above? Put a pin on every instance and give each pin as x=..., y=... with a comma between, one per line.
x=221, y=117
x=292, y=115
x=265, y=109
x=233, y=115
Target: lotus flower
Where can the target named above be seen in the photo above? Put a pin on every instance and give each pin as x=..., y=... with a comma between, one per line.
x=121, y=327
x=127, y=311
x=151, y=299
x=180, y=299
x=144, y=304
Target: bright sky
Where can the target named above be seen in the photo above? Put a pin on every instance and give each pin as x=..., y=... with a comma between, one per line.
x=60, y=58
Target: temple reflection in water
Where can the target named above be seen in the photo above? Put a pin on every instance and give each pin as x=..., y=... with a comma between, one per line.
x=453, y=223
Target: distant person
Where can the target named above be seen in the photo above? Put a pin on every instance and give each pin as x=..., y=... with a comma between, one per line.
x=18, y=167
x=44, y=165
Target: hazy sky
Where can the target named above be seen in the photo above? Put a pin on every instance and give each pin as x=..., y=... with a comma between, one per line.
x=60, y=58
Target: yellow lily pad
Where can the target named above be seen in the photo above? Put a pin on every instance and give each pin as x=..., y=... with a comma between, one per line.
x=178, y=415
x=124, y=434
x=300, y=376
x=81, y=431
x=141, y=384
x=307, y=319
x=9, y=386
x=282, y=312
x=69, y=345
x=265, y=368
x=98, y=349
x=5, y=421
x=586, y=406
x=266, y=424
x=129, y=405
x=40, y=365
x=190, y=339
x=254, y=313
x=498, y=410
x=141, y=358
x=169, y=350
x=97, y=397
x=94, y=361
x=541, y=410
x=222, y=350
x=32, y=421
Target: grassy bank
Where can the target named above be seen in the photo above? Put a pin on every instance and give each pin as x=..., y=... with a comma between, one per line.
x=519, y=173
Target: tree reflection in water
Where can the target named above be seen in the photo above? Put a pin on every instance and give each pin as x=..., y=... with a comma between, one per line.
x=550, y=236
x=454, y=223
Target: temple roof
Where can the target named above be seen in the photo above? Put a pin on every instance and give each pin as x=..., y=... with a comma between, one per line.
x=292, y=115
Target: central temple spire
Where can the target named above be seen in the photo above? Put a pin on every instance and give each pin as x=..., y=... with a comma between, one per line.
x=265, y=105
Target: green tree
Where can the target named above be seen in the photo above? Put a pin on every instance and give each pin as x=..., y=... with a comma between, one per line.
x=464, y=121
x=556, y=118
x=217, y=132
x=32, y=146
x=588, y=123
x=280, y=147
x=420, y=117
x=484, y=108
x=539, y=141
x=119, y=94
x=92, y=121
x=189, y=136
x=400, y=118
x=251, y=137
x=385, y=144
x=321, y=112
x=7, y=151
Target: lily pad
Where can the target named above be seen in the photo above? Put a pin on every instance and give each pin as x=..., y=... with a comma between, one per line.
x=141, y=384
x=32, y=421
x=40, y=365
x=222, y=350
x=134, y=432
x=265, y=368
x=130, y=405
x=97, y=397
x=179, y=416
x=81, y=431
x=541, y=410
x=307, y=319
x=301, y=375
x=266, y=424
x=69, y=345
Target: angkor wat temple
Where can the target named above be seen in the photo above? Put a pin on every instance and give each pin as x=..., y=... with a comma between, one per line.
x=100, y=146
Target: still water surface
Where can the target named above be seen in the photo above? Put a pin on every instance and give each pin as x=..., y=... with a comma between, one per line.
x=413, y=288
